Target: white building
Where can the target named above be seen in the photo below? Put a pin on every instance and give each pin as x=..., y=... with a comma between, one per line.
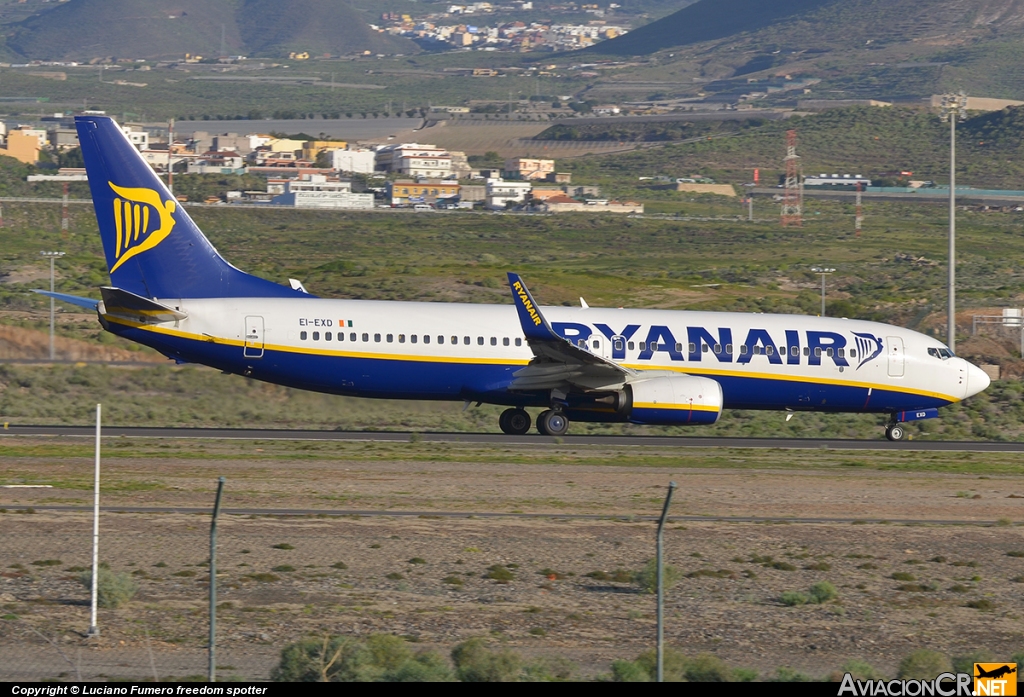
x=315, y=191
x=359, y=161
x=140, y=139
x=415, y=160
x=501, y=192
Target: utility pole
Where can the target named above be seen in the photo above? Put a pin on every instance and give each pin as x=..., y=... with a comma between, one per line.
x=170, y=157
x=954, y=108
x=64, y=225
x=822, y=272
x=858, y=219
x=660, y=544
x=52, y=256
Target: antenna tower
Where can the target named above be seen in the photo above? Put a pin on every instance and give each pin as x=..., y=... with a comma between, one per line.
x=793, y=198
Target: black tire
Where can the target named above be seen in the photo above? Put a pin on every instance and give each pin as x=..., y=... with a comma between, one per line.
x=514, y=422
x=895, y=432
x=552, y=423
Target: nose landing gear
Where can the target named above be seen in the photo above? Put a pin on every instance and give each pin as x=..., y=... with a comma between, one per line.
x=895, y=432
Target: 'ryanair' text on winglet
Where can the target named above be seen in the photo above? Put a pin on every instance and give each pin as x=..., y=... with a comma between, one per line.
x=533, y=323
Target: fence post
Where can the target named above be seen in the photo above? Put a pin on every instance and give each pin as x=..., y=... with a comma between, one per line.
x=94, y=630
x=661, y=585
x=212, y=669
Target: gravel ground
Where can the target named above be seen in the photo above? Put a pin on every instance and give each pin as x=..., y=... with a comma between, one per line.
x=285, y=578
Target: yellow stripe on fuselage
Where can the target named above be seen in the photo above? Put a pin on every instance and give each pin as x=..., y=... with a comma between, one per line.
x=675, y=407
x=689, y=370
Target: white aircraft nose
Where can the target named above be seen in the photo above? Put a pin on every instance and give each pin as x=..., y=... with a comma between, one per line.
x=977, y=380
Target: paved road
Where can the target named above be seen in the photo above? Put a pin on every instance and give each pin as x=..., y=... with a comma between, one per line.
x=527, y=440
x=492, y=514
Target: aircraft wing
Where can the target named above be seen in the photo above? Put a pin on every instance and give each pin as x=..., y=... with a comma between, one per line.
x=557, y=363
x=73, y=299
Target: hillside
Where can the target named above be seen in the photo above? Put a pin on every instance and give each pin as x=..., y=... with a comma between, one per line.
x=85, y=29
x=885, y=49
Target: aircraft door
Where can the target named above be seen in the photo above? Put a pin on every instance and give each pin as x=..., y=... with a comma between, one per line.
x=897, y=361
x=253, y=337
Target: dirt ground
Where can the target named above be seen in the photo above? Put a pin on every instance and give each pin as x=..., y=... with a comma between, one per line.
x=282, y=578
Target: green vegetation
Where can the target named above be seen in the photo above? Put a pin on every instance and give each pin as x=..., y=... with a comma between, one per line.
x=821, y=592
x=499, y=573
x=380, y=658
x=647, y=577
x=679, y=668
x=113, y=589
x=924, y=664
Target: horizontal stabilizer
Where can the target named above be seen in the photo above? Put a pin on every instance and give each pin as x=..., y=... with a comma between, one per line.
x=72, y=299
x=125, y=305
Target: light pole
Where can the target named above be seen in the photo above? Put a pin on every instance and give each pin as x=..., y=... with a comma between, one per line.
x=954, y=108
x=51, y=256
x=821, y=271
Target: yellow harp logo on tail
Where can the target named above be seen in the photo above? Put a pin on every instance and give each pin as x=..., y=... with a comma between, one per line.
x=136, y=211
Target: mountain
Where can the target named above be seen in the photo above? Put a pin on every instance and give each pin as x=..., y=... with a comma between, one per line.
x=880, y=49
x=824, y=24
x=85, y=29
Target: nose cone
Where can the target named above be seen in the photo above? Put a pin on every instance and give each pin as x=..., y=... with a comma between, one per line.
x=977, y=380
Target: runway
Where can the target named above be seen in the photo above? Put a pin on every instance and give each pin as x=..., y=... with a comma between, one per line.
x=523, y=441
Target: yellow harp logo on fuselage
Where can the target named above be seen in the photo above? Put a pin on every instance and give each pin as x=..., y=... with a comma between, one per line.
x=136, y=210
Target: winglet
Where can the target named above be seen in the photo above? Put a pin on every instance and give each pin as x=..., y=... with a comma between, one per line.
x=533, y=322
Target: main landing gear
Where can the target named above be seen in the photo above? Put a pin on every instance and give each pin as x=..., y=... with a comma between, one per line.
x=550, y=422
x=895, y=432
x=515, y=422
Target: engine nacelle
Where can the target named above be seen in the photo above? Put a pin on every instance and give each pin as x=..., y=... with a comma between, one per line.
x=674, y=400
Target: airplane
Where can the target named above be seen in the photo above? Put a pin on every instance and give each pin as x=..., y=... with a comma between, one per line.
x=172, y=291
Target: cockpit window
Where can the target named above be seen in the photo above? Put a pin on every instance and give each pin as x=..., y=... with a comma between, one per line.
x=942, y=353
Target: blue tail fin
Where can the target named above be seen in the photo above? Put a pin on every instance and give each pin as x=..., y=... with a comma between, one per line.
x=153, y=248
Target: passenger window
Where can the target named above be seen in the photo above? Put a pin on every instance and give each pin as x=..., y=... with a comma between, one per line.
x=412, y=339
x=480, y=341
x=704, y=348
x=466, y=340
x=718, y=348
x=828, y=352
x=770, y=350
x=597, y=344
x=366, y=337
x=782, y=350
x=504, y=341
x=679, y=346
x=757, y=350
x=582, y=343
x=807, y=351
x=692, y=347
x=401, y=338
x=743, y=349
x=794, y=350
x=440, y=338
x=728, y=349
x=341, y=336
x=494, y=341
x=853, y=353
x=391, y=338
x=316, y=336
x=842, y=353
x=327, y=336
x=817, y=351
x=376, y=338
x=303, y=335
x=352, y=337
x=630, y=345
x=618, y=345
x=519, y=342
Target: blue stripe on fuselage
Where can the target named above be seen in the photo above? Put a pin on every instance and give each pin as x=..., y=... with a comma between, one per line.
x=407, y=379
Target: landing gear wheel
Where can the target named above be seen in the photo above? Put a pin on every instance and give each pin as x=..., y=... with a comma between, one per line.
x=552, y=423
x=894, y=432
x=514, y=422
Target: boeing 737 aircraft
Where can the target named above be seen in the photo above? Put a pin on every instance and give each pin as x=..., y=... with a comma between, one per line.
x=171, y=290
